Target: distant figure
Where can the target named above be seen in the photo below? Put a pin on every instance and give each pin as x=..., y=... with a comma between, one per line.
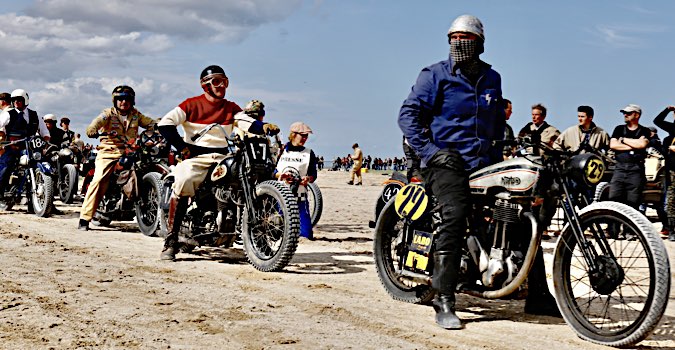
x=508, y=131
x=68, y=135
x=357, y=158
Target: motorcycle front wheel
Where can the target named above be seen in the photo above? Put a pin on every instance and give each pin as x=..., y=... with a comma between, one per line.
x=389, y=248
x=148, y=211
x=271, y=238
x=43, y=197
x=621, y=300
x=315, y=199
x=67, y=186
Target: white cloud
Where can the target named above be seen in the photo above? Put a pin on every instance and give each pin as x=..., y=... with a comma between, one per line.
x=624, y=36
x=229, y=21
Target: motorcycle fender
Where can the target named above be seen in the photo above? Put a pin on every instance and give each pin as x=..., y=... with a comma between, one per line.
x=44, y=167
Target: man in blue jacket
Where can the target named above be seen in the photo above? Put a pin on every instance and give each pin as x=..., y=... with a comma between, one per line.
x=452, y=115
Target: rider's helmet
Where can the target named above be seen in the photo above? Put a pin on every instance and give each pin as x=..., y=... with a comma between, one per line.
x=255, y=109
x=65, y=120
x=49, y=118
x=467, y=24
x=124, y=91
x=212, y=76
x=20, y=93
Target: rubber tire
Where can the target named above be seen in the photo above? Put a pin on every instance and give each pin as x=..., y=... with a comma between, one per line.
x=152, y=183
x=47, y=183
x=390, y=190
x=384, y=264
x=289, y=240
x=314, y=194
x=71, y=175
x=658, y=257
x=601, y=192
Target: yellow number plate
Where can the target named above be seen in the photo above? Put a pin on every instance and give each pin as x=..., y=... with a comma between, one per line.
x=411, y=201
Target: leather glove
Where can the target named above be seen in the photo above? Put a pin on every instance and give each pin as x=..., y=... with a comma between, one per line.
x=448, y=159
x=270, y=129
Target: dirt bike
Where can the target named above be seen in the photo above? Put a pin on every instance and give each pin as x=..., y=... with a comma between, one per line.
x=609, y=291
x=65, y=175
x=240, y=197
x=134, y=188
x=32, y=177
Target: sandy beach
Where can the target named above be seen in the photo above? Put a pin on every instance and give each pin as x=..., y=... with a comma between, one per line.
x=61, y=288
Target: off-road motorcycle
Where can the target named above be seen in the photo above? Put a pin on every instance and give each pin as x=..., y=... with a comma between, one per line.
x=314, y=195
x=610, y=291
x=134, y=189
x=31, y=177
x=240, y=197
x=65, y=178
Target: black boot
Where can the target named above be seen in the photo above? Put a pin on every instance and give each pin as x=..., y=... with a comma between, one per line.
x=539, y=300
x=446, y=272
x=177, y=209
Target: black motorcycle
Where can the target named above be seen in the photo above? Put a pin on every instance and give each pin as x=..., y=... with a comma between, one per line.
x=240, y=197
x=31, y=177
x=610, y=290
x=66, y=176
x=134, y=188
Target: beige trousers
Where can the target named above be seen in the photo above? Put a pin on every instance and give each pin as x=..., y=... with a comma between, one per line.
x=190, y=173
x=104, y=167
x=356, y=171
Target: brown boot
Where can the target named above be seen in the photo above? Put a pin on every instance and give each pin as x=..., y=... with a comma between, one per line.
x=177, y=209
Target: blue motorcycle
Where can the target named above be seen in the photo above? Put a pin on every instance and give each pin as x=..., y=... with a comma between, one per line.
x=31, y=177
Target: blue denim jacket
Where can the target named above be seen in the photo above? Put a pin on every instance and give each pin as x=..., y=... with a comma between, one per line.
x=445, y=110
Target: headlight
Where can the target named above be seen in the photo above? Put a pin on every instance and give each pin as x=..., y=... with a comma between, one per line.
x=65, y=152
x=587, y=169
x=37, y=155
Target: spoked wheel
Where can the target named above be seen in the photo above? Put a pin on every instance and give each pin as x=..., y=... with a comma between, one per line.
x=43, y=197
x=621, y=301
x=315, y=199
x=271, y=239
x=389, y=249
x=148, y=211
x=67, y=186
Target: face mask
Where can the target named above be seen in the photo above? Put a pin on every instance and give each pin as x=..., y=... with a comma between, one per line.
x=463, y=50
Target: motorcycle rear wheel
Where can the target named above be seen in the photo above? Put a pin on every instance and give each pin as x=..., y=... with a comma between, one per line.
x=315, y=199
x=148, y=211
x=271, y=243
x=67, y=186
x=388, y=245
x=624, y=304
x=43, y=198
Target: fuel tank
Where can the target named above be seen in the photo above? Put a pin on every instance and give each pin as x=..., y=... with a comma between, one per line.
x=517, y=175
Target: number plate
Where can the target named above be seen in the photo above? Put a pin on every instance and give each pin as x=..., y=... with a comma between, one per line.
x=418, y=253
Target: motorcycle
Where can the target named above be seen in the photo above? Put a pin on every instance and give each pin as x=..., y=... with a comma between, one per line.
x=134, y=188
x=314, y=195
x=240, y=197
x=609, y=290
x=66, y=175
x=31, y=177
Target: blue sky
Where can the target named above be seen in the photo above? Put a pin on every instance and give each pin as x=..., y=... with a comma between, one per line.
x=343, y=67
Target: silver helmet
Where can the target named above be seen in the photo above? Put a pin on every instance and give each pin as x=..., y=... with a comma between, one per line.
x=467, y=24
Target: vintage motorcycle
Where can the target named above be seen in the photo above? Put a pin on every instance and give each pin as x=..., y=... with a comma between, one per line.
x=134, y=188
x=65, y=175
x=314, y=195
x=611, y=291
x=240, y=197
x=31, y=177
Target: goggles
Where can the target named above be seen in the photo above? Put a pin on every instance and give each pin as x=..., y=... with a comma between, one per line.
x=216, y=81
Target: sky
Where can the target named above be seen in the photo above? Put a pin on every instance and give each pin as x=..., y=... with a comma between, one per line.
x=343, y=67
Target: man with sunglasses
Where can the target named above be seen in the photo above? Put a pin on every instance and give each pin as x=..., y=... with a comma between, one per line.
x=120, y=124
x=629, y=142
x=194, y=114
x=18, y=122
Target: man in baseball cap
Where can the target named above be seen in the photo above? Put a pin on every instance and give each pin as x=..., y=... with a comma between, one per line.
x=632, y=108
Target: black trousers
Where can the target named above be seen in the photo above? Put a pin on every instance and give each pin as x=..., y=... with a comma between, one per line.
x=627, y=184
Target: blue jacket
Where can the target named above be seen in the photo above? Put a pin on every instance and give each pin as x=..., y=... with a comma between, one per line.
x=445, y=110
